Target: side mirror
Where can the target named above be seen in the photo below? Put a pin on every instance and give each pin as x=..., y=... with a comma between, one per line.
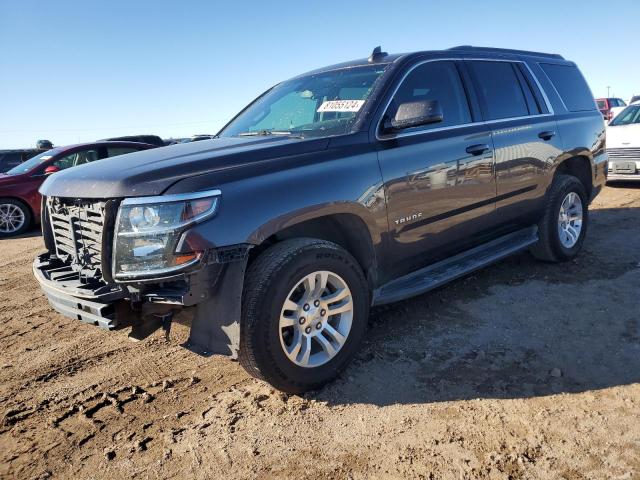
x=51, y=169
x=415, y=114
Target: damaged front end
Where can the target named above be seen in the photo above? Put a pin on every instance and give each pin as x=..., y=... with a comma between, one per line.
x=77, y=276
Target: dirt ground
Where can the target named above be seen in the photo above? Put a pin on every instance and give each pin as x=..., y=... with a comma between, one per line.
x=524, y=370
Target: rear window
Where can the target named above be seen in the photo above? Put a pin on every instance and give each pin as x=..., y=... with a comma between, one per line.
x=571, y=86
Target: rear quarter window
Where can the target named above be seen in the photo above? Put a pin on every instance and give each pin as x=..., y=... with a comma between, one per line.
x=571, y=86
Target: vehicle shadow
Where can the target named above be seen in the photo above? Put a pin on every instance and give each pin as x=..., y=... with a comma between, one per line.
x=622, y=184
x=518, y=329
x=31, y=233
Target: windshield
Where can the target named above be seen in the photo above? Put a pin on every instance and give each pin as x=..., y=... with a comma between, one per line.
x=315, y=105
x=32, y=163
x=628, y=116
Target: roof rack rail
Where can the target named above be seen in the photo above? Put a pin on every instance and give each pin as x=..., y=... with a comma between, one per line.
x=507, y=50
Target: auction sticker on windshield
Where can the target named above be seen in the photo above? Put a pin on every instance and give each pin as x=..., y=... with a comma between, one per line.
x=341, y=106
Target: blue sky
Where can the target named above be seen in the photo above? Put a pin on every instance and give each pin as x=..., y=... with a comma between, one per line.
x=82, y=70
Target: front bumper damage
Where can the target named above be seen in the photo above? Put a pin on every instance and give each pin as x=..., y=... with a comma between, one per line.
x=210, y=295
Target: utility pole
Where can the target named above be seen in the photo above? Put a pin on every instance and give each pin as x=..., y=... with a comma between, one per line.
x=608, y=87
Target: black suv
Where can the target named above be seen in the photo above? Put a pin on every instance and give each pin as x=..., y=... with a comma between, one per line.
x=354, y=185
x=13, y=158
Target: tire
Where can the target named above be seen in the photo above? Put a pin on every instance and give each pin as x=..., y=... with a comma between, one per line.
x=19, y=217
x=275, y=277
x=552, y=245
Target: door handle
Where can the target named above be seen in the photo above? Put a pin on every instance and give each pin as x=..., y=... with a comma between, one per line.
x=478, y=149
x=547, y=134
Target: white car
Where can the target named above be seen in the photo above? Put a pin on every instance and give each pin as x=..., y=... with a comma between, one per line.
x=616, y=110
x=623, y=144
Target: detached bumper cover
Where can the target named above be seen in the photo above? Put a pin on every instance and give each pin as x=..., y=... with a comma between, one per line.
x=69, y=296
x=212, y=294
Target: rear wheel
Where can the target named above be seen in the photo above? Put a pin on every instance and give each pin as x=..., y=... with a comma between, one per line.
x=563, y=227
x=15, y=217
x=305, y=309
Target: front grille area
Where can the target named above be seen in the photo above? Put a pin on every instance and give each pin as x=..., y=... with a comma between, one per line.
x=624, y=153
x=77, y=228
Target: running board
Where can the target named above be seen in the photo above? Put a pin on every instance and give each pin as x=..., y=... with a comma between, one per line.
x=439, y=273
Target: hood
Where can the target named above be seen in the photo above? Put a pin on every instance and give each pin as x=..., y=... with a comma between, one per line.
x=151, y=172
x=623, y=136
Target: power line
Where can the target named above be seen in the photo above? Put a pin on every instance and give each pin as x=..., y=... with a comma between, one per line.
x=105, y=128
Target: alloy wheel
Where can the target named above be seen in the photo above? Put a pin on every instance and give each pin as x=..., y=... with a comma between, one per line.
x=570, y=220
x=315, y=319
x=12, y=218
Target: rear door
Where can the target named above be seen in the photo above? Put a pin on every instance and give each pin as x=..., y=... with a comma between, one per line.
x=525, y=136
x=439, y=179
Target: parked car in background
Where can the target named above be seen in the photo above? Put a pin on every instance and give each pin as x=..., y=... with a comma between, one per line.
x=13, y=158
x=634, y=99
x=44, y=145
x=19, y=197
x=606, y=104
x=623, y=145
x=150, y=139
x=616, y=110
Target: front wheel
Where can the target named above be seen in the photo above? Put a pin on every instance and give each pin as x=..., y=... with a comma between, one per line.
x=15, y=217
x=305, y=309
x=563, y=227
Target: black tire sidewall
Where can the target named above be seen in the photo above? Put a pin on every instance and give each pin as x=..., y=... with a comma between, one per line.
x=28, y=217
x=564, y=253
x=270, y=350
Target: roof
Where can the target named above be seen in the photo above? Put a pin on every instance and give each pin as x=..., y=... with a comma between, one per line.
x=386, y=59
x=472, y=49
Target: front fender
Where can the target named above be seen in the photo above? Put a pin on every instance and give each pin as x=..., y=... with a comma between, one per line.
x=253, y=208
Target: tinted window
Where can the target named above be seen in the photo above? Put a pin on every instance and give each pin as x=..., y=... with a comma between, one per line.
x=533, y=87
x=115, y=151
x=500, y=89
x=571, y=86
x=435, y=81
x=602, y=104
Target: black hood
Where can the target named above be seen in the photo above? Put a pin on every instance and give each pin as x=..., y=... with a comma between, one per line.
x=151, y=172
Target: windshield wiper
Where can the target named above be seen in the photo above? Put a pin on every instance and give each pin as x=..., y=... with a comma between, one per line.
x=268, y=132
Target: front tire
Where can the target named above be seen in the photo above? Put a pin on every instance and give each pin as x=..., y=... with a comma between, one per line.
x=15, y=217
x=563, y=227
x=304, y=314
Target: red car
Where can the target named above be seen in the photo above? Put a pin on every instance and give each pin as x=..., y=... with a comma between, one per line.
x=606, y=104
x=19, y=197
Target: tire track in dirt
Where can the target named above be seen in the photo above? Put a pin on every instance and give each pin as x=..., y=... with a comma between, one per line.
x=440, y=390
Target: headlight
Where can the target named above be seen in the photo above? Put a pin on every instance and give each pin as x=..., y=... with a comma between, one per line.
x=149, y=228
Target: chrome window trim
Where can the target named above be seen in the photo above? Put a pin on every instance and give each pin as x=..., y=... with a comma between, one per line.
x=463, y=125
x=176, y=197
x=544, y=94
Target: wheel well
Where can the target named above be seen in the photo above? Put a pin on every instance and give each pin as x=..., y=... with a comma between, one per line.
x=347, y=230
x=579, y=167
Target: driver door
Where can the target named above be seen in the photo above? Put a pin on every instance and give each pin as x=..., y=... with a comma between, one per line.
x=439, y=178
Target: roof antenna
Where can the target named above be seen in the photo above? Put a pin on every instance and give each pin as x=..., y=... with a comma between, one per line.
x=377, y=54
